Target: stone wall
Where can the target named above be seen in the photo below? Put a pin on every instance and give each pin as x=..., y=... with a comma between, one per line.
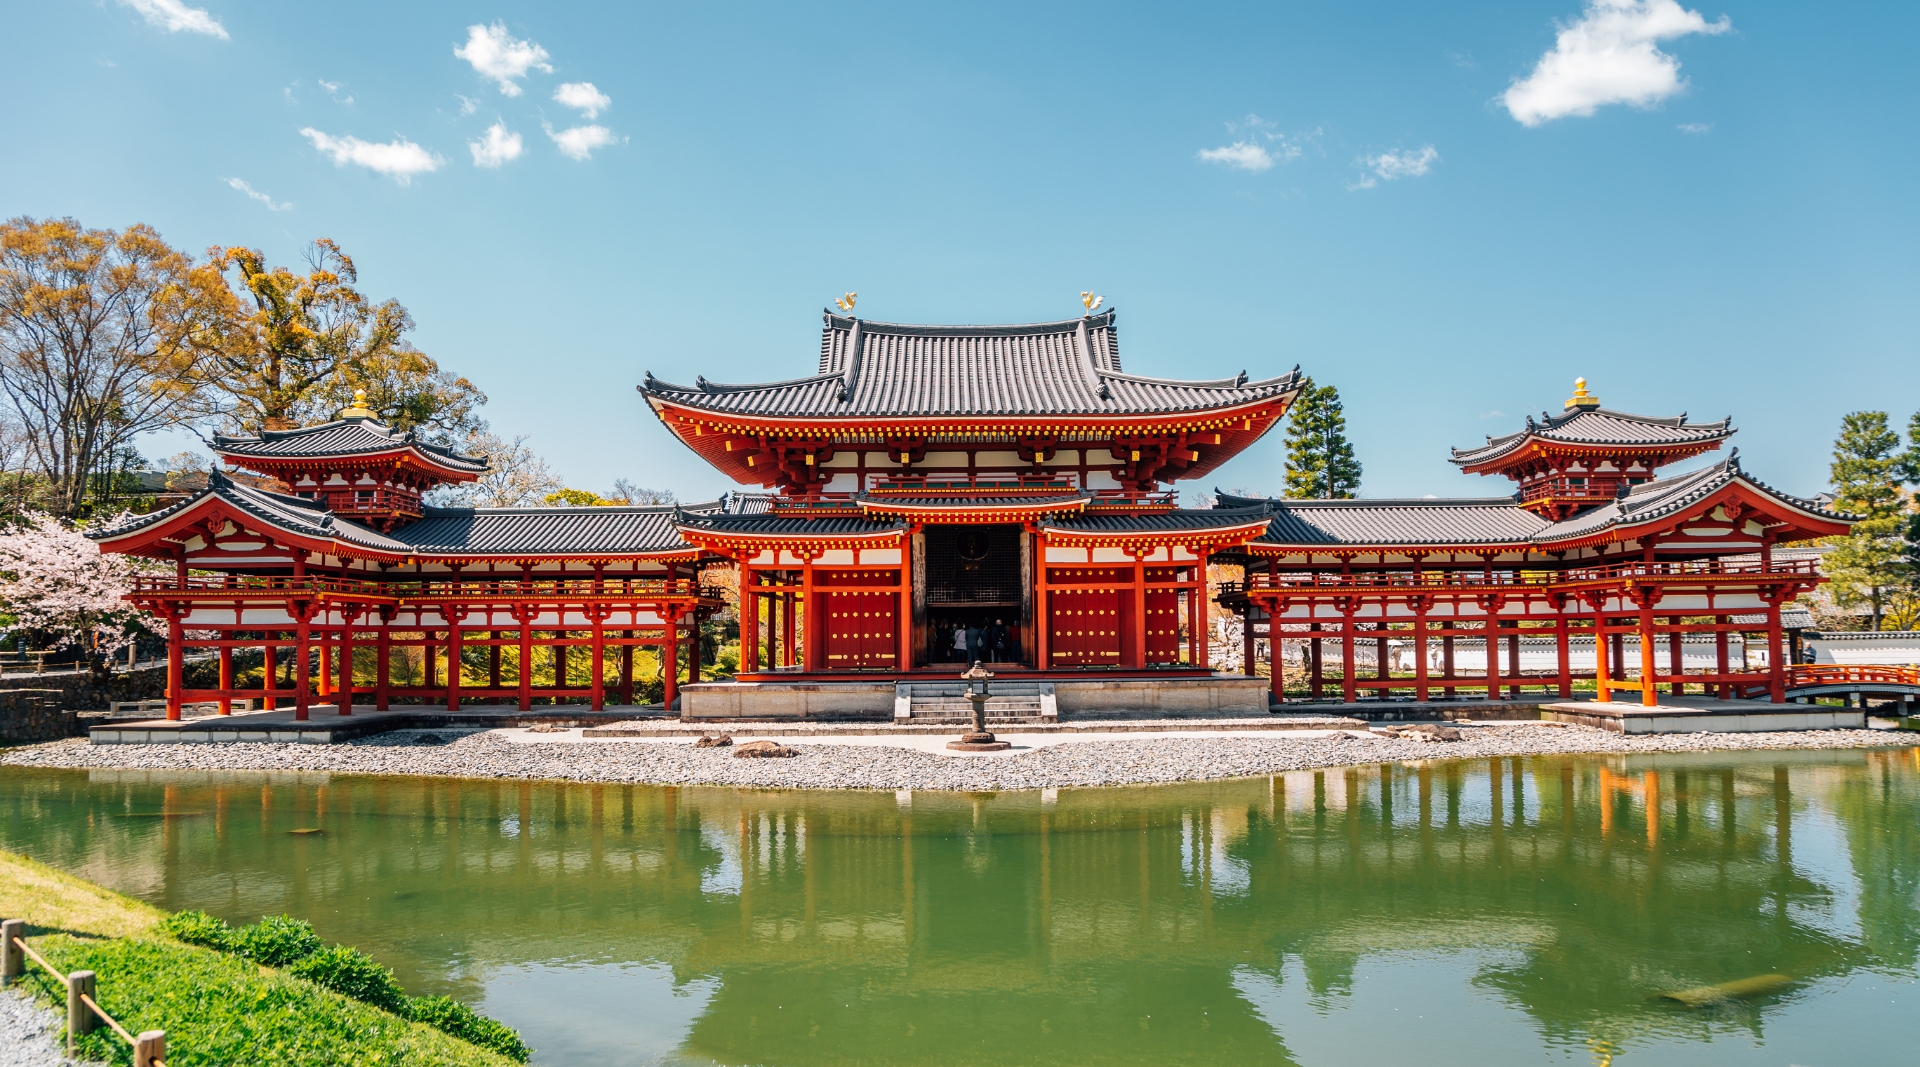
x=29, y=715
x=87, y=691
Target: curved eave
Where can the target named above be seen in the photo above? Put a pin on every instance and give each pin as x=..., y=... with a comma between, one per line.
x=1808, y=523
x=402, y=455
x=708, y=433
x=1532, y=446
x=1204, y=536
x=179, y=525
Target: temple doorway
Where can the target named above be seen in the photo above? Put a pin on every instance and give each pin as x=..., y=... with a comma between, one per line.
x=974, y=595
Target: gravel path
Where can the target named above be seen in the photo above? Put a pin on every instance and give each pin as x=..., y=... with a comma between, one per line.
x=29, y=1033
x=823, y=765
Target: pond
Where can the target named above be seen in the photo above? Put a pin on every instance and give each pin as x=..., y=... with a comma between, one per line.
x=1449, y=912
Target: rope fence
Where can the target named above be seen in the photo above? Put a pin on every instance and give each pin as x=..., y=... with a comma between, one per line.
x=84, y=1014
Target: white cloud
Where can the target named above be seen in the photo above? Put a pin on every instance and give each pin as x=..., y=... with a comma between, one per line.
x=1610, y=56
x=1696, y=127
x=583, y=97
x=399, y=159
x=333, y=90
x=497, y=147
x=1242, y=155
x=498, y=56
x=256, y=194
x=176, y=17
x=578, y=142
x=1258, y=148
x=468, y=105
x=1392, y=166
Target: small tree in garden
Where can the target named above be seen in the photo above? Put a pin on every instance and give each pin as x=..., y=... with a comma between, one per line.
x=60, y=588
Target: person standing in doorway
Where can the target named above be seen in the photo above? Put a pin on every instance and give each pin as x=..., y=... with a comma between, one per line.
x=976, y=637
x=959, y=644
x=997, y=641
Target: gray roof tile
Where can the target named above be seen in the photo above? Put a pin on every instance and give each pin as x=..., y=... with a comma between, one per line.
x=343, y=437
x=1070, y=367
x=527, y=532
x=1599, y=426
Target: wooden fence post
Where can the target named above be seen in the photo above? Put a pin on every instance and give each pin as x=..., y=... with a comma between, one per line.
x=151, y=1045
x=13, y=962
x=80, y=1018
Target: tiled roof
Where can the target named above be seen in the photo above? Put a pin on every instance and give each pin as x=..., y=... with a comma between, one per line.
x=843, y=524
x=548, y=531
x=1182, y=520
x=1493, y=520
x=1070, y=367
x=293, y=514
x=1488, y=520
x=343, y=437
x=1063, y=502
x=1600, y=426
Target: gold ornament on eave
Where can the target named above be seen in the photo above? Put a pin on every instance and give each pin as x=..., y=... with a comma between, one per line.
x=359, y=410
x=1090, y=301
x=846, y=302
x=1581, y=398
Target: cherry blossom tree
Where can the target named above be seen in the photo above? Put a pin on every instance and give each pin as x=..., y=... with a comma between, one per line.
x=56, y=583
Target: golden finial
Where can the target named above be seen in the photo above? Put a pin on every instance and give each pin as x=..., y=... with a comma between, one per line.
x=359, y=410
x=1582, y=399
x=845, y=302
x=1089, y=301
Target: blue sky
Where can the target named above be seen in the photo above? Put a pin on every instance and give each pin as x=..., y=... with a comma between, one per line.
x=1448, y=211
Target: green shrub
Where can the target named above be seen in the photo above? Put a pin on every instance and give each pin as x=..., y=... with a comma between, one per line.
x=452, y=1017
x=199, y=928
x=353, y=973
x=220, y=1011
x=276, y=940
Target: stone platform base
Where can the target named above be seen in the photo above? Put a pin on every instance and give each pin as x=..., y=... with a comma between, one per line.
x=327, y=726
x=1689, y=715
x=1076, y=697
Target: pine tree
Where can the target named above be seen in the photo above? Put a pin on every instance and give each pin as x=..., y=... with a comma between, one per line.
x=1868, y=566
x=1320, y=460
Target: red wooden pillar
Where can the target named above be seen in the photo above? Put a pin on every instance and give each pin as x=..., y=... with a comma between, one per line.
x=493, y=659
x=1276, y=658
x=1777, y=670
x=269, y=674
x=1513, y=660
x=1042, y=639
x=626, y=669
x=324, y=683
x=1200, y=633
x=176, y=661
x=302, y=659
x=1648, y=698
x=1139, y=626
x=811, y=631
x=749, y=621
x=902, y=610
x=1420, y=691
x=670, y=659
x=1603, y=690
x=453, y=617
x=1316, y=650
x=347, y=616
x=1446, y=652
x=1348, y=691
x=430, y=660
x=1561, y=638
x=598, y=699
x=1721, y=688
x=1676, y=655
x=1492, y=643
x=523, y=614
x=383, y=669
x=226, y=673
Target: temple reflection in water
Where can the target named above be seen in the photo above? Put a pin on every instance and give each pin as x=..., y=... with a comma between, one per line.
x=1158, y=925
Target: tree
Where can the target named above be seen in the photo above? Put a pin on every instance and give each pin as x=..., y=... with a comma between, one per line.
x=312, y=339
x=625, y=492
x=1867, y=567
x=102, y=337
x=1320, y=460
x=59, y=586
x=515, y=478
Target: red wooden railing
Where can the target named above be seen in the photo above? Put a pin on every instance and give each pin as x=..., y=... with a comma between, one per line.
x=1707, y=570
x=608, y=588
x=1812, y=674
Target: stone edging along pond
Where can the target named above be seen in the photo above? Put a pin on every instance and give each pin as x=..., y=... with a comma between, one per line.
x=825, y=765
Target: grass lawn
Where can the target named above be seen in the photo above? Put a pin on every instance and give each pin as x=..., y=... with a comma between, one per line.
x=217, y=1009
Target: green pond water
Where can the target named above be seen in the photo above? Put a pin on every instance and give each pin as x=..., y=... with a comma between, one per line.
x=1473, y=912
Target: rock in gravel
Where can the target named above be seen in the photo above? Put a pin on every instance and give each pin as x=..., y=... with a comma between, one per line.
x=764, y=750
x=1425, y=731
x=714, y=741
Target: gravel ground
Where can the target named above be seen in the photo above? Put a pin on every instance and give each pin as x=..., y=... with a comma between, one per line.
x=30, y=1034
x=822, y=766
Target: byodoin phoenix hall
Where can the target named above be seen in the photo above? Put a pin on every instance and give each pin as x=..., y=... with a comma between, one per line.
x=929, y=494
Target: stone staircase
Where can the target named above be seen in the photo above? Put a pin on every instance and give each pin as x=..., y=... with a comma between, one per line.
x=1010, y=703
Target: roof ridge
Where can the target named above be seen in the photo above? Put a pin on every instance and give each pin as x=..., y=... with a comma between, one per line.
x=1097, y=321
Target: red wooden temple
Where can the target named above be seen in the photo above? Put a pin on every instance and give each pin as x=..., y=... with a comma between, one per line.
x=1594, y=547
x=928, y=486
